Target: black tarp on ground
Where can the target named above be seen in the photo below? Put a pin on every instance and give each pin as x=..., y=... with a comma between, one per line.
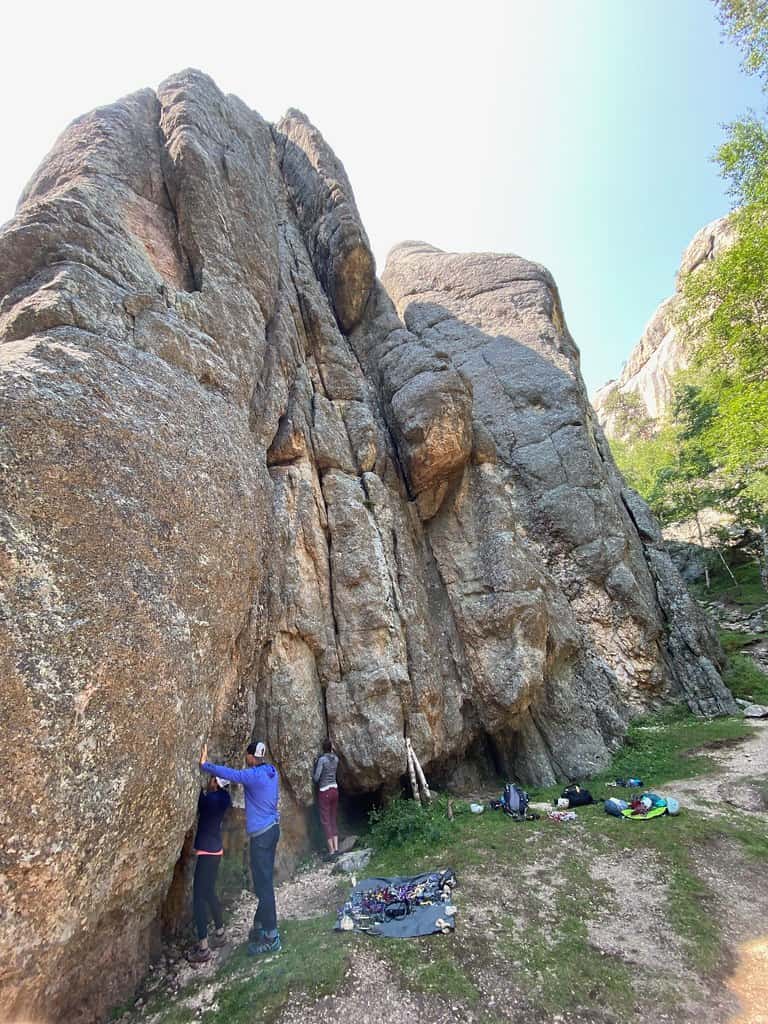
x=401, y=906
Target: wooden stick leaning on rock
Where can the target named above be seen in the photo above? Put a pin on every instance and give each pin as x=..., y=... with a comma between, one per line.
x=421, y=777
x=412, y=771
x=419, y=773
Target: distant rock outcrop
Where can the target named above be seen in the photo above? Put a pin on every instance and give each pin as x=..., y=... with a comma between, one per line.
x=246, y=489
x=659, y=354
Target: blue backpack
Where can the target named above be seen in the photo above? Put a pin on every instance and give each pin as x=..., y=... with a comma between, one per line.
x=615, y=806
x=514, y=800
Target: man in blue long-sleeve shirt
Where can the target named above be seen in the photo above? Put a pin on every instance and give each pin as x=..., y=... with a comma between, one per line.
x=262, y=823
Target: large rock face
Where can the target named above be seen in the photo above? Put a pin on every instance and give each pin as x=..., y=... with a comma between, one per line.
x=657, y=357
x=247, y=489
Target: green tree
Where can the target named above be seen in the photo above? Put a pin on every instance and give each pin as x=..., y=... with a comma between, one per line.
x=723, y=407
x=746, y=23
x=712, y=447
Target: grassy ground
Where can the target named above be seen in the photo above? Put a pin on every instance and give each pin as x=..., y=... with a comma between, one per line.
x=563, y=969
x=746, y=680
x=747, y=592
x=531, y=897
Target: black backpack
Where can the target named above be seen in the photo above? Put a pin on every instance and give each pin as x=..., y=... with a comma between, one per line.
x=576, y=796
x=514, y=801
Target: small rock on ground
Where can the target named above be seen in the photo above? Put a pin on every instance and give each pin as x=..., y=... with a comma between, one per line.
x=355, y=861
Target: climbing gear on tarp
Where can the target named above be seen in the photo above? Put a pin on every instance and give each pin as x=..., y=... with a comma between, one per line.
x=626, y=783
x=642, y=808
x=649, y=805
x=266, y=945
x=401, y=907
x=643, y=815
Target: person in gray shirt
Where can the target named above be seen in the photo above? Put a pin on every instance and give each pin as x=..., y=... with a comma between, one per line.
x=328, y=796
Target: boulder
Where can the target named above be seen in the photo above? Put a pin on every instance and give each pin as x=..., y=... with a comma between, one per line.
x=247, y=491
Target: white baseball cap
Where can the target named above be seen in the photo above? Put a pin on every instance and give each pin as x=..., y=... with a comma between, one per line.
x=261, y=750
x=222, y=782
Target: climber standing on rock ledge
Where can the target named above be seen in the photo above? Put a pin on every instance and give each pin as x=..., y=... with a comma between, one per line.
x=262, y=822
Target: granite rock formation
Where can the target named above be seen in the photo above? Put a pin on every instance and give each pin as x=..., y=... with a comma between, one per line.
x=659, y=353
x=246, y=489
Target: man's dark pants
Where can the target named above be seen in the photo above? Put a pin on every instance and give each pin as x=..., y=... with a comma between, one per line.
x=262, y=850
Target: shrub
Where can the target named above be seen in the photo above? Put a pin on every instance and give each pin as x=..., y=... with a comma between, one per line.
x=745, y=680
x=403, y=822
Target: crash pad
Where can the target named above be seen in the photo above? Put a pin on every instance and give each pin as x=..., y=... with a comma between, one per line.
x=654, y=812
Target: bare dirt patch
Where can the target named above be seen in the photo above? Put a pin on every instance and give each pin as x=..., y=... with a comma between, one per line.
x=372, y=994
x=311, y=893
x=633, y=924
x=736, y=760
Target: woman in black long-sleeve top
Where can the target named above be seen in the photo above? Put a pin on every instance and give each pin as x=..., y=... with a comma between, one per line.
x=212, y=805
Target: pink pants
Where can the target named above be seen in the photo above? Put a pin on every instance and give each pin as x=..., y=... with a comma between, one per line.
x=328, y=802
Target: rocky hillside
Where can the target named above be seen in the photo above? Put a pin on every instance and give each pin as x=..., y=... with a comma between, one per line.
x=646, y=377
x=246, y=489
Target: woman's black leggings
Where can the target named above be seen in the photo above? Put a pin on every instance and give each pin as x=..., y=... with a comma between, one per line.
x=205, y=902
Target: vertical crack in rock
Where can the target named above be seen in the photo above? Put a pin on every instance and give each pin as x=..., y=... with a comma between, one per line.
x=193, y=277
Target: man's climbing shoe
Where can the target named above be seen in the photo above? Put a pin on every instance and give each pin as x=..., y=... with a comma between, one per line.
x=265, y=946
x=217, y=939
x=198, y=955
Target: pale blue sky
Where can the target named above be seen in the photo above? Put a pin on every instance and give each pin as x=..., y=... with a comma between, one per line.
x=573, y=132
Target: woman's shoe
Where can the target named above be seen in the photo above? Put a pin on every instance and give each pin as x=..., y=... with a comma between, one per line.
x=199, y=955
x=217, y=939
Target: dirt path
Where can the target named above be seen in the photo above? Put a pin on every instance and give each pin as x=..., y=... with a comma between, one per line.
x=742, y=898
x=742, y=764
